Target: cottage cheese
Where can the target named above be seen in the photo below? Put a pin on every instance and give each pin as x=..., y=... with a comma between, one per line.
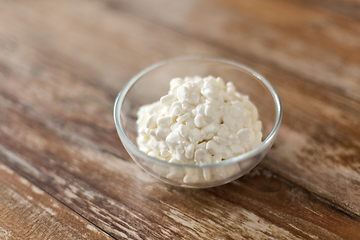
x=200, y=121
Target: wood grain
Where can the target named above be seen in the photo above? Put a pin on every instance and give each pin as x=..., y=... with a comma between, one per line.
x=271, y=32
x=60, y=72
x=303, y=64
x=344, y=7
x=27, y=212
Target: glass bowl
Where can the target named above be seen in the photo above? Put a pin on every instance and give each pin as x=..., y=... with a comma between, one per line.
x=153, y=82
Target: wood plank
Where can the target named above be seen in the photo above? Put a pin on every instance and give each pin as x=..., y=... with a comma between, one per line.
x=325, y=99
x=128, y=205
x=134, y=205
x=344, y=7
x=27, y=212
x=56, y=119
x=275, y=33
x=330, y=111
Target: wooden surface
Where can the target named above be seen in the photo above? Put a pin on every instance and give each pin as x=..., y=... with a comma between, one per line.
x=65, y=175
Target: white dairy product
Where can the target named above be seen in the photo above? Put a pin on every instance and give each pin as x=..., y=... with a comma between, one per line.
x=200, y=121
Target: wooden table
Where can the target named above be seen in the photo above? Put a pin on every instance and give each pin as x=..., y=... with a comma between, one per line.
x=64, y=173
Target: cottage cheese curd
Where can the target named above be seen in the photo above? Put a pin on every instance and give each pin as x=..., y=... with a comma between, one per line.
x=200, y=121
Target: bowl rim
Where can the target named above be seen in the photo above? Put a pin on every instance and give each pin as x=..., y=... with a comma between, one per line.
x=134, y=149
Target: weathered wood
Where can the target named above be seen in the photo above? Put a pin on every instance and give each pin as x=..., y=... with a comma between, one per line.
x=344, y=7
x=27, y=212
x=60, y=72
x=314, y=70
x=312, y=99
x=275, y=33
